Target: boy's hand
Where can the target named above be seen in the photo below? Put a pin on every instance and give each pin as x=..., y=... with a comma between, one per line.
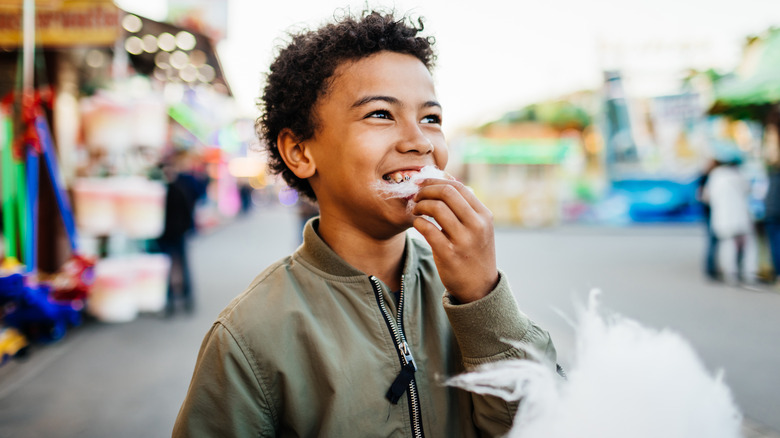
x=464, y=249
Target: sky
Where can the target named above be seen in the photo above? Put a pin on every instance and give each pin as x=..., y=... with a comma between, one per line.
x=499, y=55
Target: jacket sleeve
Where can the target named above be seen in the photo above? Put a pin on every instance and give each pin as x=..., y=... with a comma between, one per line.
x=225, y=397
x=481, y=328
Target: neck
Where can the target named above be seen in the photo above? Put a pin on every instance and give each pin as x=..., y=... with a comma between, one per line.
x=382, y=258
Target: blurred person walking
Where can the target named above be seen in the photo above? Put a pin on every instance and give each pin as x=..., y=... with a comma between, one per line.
x=711, y=251
x=245, y=190
x=727, y=192
x=184, y=190
x=772, y=218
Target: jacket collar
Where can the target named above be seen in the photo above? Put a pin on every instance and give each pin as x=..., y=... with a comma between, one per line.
x=318, y=254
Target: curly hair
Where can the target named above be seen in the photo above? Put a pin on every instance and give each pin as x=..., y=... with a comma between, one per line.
x=303, y=70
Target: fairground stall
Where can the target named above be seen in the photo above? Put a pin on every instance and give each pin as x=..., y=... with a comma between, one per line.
x=96, y=102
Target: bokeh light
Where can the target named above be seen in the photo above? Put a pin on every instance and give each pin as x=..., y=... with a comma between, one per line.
x=149, y=43
x=179, y=59
x=132, y=23
x=185, y=40
x=134, y=45
x=288, y=196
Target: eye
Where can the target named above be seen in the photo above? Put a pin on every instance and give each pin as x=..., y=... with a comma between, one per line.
x=379, y=114
x=431, y=119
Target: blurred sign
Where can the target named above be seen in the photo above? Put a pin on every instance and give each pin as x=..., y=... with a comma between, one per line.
x=621, y=147
x=520, y=151
x=62, y=24
x=679, y=107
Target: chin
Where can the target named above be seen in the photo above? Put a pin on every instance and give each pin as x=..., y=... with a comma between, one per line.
x=403, y=220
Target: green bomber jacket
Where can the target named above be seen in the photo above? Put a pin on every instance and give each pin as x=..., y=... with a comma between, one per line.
x=307, y=350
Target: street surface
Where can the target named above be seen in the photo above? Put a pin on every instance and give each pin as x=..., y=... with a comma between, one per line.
x=128, y=380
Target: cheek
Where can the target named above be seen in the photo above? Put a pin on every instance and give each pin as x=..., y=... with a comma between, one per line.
x=441, y=155
x=370, y=149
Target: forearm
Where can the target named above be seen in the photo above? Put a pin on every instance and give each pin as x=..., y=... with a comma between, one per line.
x=494, y=329
x=484, y=327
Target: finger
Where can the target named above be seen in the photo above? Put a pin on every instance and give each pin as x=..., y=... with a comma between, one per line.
x=466, y=192
x=449, y=222
x=454, y=200
x=435, y=237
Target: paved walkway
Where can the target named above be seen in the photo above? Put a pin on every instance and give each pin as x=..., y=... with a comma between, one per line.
x=128, y=380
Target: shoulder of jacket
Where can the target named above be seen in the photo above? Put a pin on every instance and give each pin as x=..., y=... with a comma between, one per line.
x=260, y=290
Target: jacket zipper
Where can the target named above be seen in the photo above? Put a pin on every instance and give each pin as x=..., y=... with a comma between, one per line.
x=408, y=365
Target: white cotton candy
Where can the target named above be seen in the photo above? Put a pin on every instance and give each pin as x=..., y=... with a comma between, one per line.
x=408, y=188
x=626, y=381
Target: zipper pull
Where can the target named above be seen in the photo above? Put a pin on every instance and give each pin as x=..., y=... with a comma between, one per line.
x=401, y=383
x=407, y=352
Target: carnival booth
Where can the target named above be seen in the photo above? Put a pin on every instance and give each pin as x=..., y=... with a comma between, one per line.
x=518, y=180
x=94, y=99
x=526, y=165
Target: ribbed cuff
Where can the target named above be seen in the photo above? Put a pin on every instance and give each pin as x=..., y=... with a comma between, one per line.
x=481, y=326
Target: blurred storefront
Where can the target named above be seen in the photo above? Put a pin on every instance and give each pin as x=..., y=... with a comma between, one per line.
x=655, y=149
x=125, y=97
x=658, y=147
x=518, y=180
x=752, y=92
x=527, y=165
x=607, y=157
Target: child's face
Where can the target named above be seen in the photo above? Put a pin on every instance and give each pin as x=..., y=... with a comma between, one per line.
x=379, y=119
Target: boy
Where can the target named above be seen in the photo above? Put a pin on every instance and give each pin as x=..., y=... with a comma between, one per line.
x=352, y=334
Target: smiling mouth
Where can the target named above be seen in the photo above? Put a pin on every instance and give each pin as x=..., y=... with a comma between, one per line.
x=405, y=183
x=400, y=176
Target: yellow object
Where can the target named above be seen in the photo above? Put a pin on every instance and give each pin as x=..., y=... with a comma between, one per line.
x=11, y=264
x=11, y=341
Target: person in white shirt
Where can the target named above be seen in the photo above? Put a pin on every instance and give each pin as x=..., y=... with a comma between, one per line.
x=727, y=192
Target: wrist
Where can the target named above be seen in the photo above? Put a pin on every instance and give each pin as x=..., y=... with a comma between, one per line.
x=474, y=294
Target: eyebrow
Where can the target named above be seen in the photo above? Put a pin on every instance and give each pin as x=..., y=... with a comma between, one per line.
x=391, y=100
x=368, y=99
x=431, y=103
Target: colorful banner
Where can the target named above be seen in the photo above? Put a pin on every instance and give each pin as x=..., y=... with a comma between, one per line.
x=8, y=187
x=70, y=23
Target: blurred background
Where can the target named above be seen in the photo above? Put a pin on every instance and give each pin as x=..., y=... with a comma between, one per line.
x=135, y=203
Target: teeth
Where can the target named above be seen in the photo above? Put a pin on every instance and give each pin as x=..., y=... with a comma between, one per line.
x=397, y=177
x=399, y=184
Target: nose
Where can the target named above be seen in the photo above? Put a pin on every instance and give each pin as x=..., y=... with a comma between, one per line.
x=414, y=140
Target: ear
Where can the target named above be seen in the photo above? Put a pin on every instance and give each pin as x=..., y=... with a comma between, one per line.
x=295, y=154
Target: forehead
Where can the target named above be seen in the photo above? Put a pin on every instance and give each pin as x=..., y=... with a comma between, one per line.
x=386, y=73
